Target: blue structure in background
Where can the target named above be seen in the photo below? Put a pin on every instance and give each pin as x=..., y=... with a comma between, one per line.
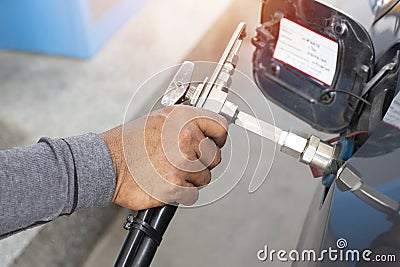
x=63, y=27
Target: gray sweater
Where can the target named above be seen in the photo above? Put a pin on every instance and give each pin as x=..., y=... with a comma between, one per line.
x=54, y=177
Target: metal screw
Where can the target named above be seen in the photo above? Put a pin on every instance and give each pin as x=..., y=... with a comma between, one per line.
x=340, y=29
x=130, y=218
x=276, y=69
x=129, y=221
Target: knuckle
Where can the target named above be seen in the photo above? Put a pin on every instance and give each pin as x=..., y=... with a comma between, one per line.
x=179, y=181
x=202, y=178
x=207, y=177
x=223, y=134
x=186, y=136
x=183, y=163
x=173, y=180
x=186, y=156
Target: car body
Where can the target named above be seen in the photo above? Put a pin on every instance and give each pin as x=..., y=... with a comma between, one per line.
x=348, y=220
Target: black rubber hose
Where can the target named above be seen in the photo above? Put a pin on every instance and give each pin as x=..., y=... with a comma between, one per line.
x=139, y=249
x=132, y=241
x=148, y=247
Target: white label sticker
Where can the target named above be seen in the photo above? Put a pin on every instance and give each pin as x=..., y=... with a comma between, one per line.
x=307, y=51
x=392, y=116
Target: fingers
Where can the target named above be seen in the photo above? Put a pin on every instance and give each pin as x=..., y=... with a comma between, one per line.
x=187, y=194
x=206, y=124
x=210, y=154
x=214, y=126
x=200, y=179
x=195, y=146
x=184, y=187
x=200, y=148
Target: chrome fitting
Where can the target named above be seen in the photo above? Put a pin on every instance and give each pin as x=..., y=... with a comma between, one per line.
x=349, y=180
x=310, y=151
x=292, y=144
x=317, y=154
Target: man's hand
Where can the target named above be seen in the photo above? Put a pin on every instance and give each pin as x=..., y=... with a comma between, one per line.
x=165, y=156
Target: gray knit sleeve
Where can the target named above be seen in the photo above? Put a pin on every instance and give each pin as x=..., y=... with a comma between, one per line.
x=54, y=177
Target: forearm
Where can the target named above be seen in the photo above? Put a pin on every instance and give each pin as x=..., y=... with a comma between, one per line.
x=53, y=178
